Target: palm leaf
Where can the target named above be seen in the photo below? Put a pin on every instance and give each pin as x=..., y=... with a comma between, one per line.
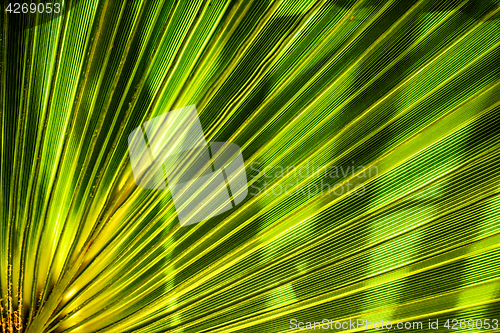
x=406, y=89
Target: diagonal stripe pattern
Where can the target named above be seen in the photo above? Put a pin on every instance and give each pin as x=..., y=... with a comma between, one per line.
x=316, y=94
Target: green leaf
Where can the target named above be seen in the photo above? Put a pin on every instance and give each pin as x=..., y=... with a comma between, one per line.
x=370, y=135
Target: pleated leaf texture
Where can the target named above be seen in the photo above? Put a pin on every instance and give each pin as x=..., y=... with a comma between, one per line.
x=399, y=99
